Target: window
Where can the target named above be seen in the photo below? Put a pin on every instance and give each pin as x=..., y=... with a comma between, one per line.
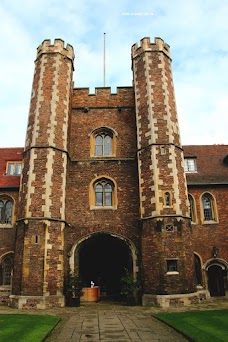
x=103, y=194
x=163, y=150
x=7, y=269
x=6, y=209
x=208, y=207
x=167, y=199
x=192, y=208
x=198, y=270
x=190, y=165
x=103, y=145
x=103, y=142
x=172, y=265
x=14, y=168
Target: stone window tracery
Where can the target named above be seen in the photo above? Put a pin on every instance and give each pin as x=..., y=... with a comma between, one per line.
x=103, y=193
x=6, y=211
x=6, y=270
x=103, y=142
x=209, y=210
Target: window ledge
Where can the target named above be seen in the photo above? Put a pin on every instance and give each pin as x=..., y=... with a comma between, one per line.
x=103, y=157
x=172, y=272
x=191, y=171
x=210, y=222
x=6, y=225
x=102, y=208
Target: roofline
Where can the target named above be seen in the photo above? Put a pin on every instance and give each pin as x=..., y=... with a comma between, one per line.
x=10, y=187
x=206, y=184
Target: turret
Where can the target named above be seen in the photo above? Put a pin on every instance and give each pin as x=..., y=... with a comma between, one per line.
x=164, y=211
x=39, y=269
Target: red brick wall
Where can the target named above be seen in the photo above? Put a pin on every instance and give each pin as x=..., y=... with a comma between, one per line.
x=206, y=236
x=83, y=169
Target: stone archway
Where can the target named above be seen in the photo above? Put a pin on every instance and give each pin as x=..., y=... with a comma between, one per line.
x=102, y=258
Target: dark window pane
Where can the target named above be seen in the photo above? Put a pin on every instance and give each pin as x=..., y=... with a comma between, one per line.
x=171, y=265
x=7, y=266
x=191, y=207
x=198, y=270
x=167, y=199
x=1, y=211
x=8, y=212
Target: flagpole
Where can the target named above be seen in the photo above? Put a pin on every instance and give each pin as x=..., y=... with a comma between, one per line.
x=104, y=60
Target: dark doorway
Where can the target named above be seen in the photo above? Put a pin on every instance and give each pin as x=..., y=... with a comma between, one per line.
x=216, y=280
x=102, y=259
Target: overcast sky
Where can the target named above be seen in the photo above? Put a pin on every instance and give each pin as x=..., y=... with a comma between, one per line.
x=196, y=30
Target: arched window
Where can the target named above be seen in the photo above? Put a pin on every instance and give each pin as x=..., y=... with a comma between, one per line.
x=7, y=270
x=103, y=142
x=167, y=199
x=6, y=209
x=192, y=208
x=198, y=271
x=103, y=193
x=208, y=207
x=103, y=145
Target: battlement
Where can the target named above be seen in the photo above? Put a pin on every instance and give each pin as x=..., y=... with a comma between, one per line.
x=146, y=45
x=58, y=46
x=103, y=97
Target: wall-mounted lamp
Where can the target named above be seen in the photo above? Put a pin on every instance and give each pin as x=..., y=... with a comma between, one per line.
x=215, y=251
x=119, y=108
x=86, y=109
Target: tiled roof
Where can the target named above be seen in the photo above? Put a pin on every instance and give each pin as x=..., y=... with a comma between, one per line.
x=211, y=162
x=9, y=154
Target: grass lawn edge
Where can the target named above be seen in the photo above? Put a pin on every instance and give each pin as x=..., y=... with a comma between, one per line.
x=169, y=325
x=50, y=331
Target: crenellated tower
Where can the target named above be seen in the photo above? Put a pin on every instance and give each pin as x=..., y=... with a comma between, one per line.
x=39, y=261
x=167, y=255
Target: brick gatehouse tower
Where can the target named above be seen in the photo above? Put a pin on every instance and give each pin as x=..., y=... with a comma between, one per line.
x=103, y=186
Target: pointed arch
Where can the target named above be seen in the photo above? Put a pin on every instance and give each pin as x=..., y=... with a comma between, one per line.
x=6, y=210
x=103, y=193
x=103, y=142
x=192, y=208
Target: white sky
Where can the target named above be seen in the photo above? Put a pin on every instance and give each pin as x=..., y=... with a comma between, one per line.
x=196, y=30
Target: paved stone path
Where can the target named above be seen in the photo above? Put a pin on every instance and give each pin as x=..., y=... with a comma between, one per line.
x=106, y=322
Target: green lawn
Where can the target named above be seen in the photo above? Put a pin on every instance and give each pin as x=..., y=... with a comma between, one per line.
x=200, y=326
x=26, y=328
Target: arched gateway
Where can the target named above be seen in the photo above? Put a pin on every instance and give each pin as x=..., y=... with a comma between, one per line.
x=217, y=275
x=102, y=258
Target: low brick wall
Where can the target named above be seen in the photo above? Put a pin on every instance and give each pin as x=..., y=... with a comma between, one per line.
x=177, y=300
